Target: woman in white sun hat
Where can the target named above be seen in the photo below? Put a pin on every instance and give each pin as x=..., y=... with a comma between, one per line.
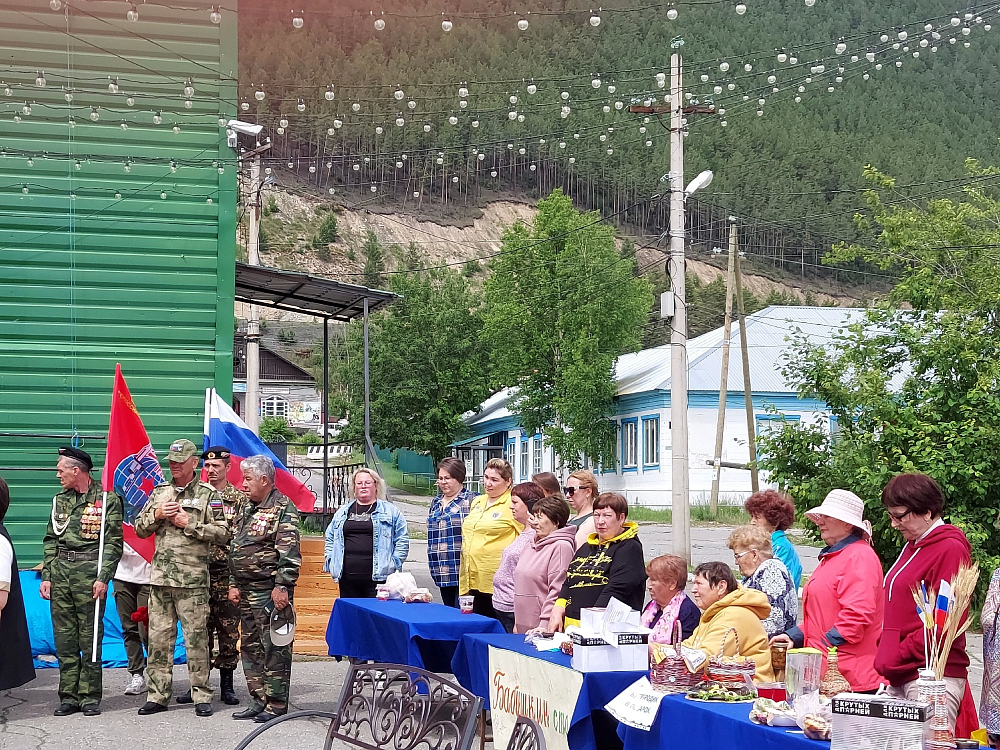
x=842, y=602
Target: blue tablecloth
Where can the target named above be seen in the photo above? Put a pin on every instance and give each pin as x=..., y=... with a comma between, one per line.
x=689, y=725
x=471, y=667
x=417, y=635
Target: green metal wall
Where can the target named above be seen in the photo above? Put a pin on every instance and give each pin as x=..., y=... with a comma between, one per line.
x=116, y=245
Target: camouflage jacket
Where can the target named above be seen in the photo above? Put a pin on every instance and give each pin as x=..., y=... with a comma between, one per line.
x=181, y=556
x=75, y=524
x=265, y=545
x=231, y=500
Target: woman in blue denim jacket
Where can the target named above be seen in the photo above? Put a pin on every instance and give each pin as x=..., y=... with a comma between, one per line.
x=366, y=540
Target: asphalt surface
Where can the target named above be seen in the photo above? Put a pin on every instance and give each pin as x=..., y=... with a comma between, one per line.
x=26, y=721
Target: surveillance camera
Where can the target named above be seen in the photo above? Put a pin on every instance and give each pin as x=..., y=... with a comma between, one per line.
x=245, y=128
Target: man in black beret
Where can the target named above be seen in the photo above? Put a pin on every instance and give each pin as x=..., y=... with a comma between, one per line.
x=71, y=579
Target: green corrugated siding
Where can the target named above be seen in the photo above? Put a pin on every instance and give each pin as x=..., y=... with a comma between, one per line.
x=91, y=280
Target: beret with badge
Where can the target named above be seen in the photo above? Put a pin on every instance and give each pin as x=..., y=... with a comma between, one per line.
x=216, y=451
x=76, y=454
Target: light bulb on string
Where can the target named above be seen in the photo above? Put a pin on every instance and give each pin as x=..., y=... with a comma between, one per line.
x=72, y=122
x=24, y=189
x=301, y=106
x=966, y=31
x=595, y=20
x=215, y=16
x=793, y=60
x=378, y=131
x=130, y=101
x=124, y=125
x=31, y=161
x=280, y=131
x=619, y=105
x=297, y=20
x=522, y=24
x=475, y=123
x=512, y=115
x=564, y=95
x=902, y=35
x=463, y=104
x=163, y=195
x=427, y=128
x=724, y=66
x=329, y=94
x=158, y=119
x=259, y=95
x=222, y=122
x=612, y=88
x=312, y=169
x=453, y=120
x=330, y=131
x=596, y=83
x=771, y=79
x=379, y=24
x=446, y=25
x=841, y=47
x=112, y=84
x=748, y=67
x=8, y=91
x=400, y=122
x=520, y=118
x=291, y=165
x=740, y=9
x=398, y=95
x=512, y=99
x=128, y=166
x=177, y=129
x=463, y=92
x=782, y=57
x=133, y=13
x=282, y=123
x=878, y=66
x=356, y=107
x=56, y=5
x=606, y=108
x=493, y=173
x=870, y=57
x=26, y=109
x=532, y=88
x=40, y=81
x=672, y=14
x=189, y=88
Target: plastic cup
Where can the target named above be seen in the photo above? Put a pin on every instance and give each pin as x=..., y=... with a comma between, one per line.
x=465, y=604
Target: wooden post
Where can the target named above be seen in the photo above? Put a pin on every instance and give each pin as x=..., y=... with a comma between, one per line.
x=720, y=425
x=747, y=393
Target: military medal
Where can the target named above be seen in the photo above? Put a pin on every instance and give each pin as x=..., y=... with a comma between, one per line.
x=59, y=528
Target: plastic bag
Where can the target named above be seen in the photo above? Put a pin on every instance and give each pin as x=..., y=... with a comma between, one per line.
x=814, y=715
x=400, y=584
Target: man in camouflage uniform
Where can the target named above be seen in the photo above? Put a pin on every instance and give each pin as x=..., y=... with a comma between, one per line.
x=71, y=580
x=223, y=615
x=264, y=558
x=186, y=517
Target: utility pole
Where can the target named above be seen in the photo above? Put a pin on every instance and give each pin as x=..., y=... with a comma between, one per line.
x=720, y=425
x=747, y=393
x=681, y=501
x=252, y=416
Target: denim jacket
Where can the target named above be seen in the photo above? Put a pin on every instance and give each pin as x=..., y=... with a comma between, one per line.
x=392, y=541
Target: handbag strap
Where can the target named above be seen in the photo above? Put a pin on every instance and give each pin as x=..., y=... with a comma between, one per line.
x=725, y=637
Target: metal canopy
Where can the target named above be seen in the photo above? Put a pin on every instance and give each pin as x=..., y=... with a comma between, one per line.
x=303, y=293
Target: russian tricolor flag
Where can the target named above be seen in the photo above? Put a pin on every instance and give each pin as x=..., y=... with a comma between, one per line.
x=943, y=604
x=223, y=427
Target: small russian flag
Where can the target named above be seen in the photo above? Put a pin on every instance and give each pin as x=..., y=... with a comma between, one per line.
x=944, y=598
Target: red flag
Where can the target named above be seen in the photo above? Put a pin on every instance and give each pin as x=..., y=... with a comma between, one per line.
x=130, y=467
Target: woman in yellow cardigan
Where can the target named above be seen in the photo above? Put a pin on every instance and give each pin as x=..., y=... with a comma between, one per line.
x=486, y=531
x=725, y=605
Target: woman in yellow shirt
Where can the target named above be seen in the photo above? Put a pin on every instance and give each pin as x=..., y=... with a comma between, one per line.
x=487, y=530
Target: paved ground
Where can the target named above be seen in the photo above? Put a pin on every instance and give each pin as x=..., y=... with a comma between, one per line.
x=26, y=721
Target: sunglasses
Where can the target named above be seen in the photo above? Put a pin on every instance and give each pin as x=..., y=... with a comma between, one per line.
x=571, y=490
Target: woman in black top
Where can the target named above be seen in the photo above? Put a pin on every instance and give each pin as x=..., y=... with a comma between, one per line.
x=16, y=666
x=359, y=540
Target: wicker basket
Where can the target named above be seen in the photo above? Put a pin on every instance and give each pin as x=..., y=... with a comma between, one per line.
x=737, y=674
x=671, y=675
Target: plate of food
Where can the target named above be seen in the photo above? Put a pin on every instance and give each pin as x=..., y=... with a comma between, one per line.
x=720, y=694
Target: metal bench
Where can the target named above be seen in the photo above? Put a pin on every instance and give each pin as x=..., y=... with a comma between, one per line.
x=392, y=705
x=527, y=735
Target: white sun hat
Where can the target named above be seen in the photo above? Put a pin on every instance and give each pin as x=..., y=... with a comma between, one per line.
x=845, y=506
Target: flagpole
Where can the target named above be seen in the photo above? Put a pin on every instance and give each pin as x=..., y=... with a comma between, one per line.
x=100, y=562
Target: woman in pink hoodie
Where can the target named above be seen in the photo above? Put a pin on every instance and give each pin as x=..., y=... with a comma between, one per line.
x=933, y=552
x=541, y=571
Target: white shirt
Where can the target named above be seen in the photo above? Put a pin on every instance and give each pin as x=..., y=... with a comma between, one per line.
x=939, y=522
x=133, y=567
x=6, y=564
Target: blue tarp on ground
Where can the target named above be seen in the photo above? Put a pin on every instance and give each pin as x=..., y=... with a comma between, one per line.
x=40, y=628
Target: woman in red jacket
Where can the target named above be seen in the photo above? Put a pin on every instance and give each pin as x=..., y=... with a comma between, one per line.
x=933, y=552
x=842, y=601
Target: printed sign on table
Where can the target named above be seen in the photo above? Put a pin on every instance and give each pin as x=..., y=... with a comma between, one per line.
x=536, y=689
x=636, y=706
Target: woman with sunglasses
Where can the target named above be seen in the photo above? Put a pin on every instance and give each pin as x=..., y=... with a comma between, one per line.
x=581, y=491
x=933, y=552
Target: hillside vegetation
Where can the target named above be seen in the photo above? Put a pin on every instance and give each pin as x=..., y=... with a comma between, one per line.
x=798, y=165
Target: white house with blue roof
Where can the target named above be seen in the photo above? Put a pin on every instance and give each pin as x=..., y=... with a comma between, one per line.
x=642, y=470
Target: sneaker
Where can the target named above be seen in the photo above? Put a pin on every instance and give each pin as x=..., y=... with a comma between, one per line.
x=136, y=686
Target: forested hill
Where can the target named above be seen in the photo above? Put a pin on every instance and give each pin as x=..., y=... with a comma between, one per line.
x=428, y=114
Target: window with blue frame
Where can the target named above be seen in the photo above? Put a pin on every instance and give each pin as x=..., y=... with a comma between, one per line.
x=650, y=442
x=523, y=463
x=536, y=455
x=630, y=444
x=510, y=452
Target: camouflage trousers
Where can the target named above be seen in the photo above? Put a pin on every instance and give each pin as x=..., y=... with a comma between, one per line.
x=223, y=622
x=167, y=606
x=72, y=606
x=268, y=668
x=128, y=598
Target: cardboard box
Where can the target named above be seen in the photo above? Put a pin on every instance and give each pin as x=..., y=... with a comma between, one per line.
x=591, y=653
x=592, y=619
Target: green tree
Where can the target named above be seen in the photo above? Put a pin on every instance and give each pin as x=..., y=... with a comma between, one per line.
x=561, y=305
x=327, y=230
x=374, y=261
x=911, y=390
x=427, y=365
x=275, y=430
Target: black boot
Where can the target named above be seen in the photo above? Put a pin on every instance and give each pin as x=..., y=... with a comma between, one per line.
x=226, y=687
x=186, y=698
